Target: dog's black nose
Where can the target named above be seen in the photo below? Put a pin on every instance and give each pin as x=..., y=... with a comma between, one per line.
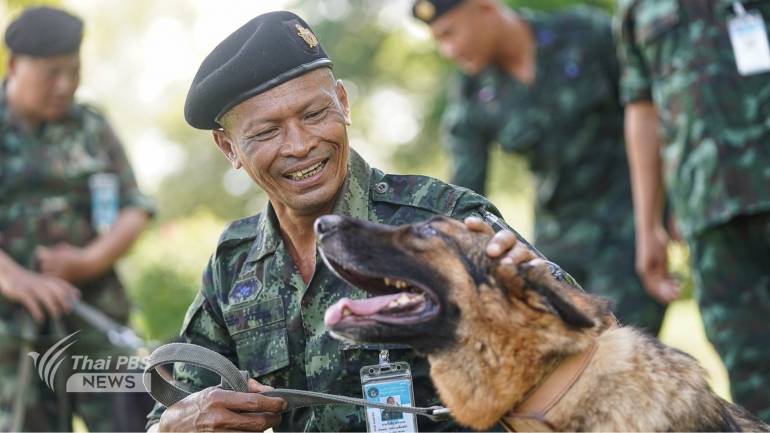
x=327, y=223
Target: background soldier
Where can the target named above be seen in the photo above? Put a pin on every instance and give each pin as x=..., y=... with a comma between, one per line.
x=50, y=148
x=545, y=86
x=694, y=120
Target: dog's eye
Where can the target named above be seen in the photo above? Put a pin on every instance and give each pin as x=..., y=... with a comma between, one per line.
x=426, y=231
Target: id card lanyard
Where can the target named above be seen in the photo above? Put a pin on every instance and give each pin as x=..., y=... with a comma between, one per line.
x=748, y=36
x=389, y=383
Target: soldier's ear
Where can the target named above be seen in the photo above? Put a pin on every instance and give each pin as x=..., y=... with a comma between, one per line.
x=342, y=96
x=228, y=147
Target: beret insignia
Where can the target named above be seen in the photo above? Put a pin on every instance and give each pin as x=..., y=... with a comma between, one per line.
x=307, y=36
x=425, y=10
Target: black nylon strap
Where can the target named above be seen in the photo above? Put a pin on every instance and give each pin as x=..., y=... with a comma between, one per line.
x=168, y=394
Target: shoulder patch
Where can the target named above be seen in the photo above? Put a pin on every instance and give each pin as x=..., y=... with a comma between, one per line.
x=418, y=191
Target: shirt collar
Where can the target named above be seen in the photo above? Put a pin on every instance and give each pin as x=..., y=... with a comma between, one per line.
x=353, y=201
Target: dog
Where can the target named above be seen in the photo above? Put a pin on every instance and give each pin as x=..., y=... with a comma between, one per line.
x=502, y=334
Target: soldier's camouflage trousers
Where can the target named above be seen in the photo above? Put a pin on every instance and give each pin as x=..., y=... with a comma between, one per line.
x=731, y=266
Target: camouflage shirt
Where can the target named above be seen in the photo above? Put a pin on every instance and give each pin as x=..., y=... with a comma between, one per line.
x=45, y=197
x=255, y=308
x=568, y=125
x=715, y=122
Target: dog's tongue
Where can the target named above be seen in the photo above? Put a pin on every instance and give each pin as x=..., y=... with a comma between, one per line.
x=363, y=307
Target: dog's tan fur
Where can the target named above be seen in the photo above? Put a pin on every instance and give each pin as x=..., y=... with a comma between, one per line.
x=509, y=342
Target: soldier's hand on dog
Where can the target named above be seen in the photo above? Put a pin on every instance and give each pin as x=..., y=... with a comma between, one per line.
x=501, y=242
x=216, y=409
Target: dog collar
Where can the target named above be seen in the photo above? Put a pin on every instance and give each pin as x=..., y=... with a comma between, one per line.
x=532, y=413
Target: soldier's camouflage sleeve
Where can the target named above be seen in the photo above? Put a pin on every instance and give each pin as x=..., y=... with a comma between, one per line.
x=635, y=79
x=203, y=325
x=467, y=143
x=130, y=195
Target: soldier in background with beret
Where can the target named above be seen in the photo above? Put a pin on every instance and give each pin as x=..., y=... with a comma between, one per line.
x=545, y=86
x=53, y=236
x=268, y=93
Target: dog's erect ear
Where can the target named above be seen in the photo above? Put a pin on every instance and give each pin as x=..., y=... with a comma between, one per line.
x=544, y=286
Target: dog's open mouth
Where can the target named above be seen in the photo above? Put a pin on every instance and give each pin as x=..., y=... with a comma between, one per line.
x=396, y=301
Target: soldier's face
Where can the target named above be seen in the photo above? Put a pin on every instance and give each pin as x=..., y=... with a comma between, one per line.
x=43, y=87
x=292, y=140
x=464, y=35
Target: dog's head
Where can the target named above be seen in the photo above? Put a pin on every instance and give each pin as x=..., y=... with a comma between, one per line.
x=487, y=325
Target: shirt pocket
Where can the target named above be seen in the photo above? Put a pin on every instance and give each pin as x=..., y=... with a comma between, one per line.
x=259, y=332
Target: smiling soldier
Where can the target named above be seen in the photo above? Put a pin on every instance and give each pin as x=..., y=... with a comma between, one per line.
x=268, y=93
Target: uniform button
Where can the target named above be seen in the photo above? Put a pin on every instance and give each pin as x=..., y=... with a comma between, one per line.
x=381, y=187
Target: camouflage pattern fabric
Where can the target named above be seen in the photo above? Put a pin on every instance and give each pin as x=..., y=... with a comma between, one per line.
x=732, y=271
x=716, y=123
x=45, y=201
x=255, y=308
x=568, y=125
x=716, y=131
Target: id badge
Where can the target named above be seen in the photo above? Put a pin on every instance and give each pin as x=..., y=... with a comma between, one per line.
x=748, y=36
x=389, y=384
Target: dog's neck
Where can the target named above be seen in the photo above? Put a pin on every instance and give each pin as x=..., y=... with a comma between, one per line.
x=532, y=413
x=488, y=375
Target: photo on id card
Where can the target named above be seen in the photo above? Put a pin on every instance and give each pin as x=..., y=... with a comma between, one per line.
x=395, y=393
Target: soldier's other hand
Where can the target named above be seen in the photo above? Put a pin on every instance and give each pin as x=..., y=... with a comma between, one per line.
x=68, y=262
x=216, y=409
x=39, y=294
x=652, y=265
x=501, y=242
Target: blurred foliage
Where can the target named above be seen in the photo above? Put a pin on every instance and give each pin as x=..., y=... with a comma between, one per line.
x=163, y=273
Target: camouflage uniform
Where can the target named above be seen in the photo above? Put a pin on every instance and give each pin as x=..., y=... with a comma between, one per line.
x=568, y=125
x=255, y=308
x=715, y=127
x=45, y=201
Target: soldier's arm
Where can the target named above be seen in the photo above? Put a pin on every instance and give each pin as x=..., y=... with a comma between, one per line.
x=210, y=408
x=468, y=146
x=38, y=294
x=78, y=264
x=643, y=147
x=643, y=143
x=75, y=264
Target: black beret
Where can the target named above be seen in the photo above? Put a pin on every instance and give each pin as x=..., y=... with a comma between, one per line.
x=429, y=10
x=269, y=50
x=44, y=32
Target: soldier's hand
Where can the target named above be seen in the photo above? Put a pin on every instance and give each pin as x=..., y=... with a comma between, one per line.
x=215, y=409
x=68, y=262
x=39, y=294
x=652, y=265
x=501, y=242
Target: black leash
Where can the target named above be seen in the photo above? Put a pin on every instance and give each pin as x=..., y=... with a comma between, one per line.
x=167, y=393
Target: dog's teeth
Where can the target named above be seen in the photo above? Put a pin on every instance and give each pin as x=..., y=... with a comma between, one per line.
x=346, y=312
